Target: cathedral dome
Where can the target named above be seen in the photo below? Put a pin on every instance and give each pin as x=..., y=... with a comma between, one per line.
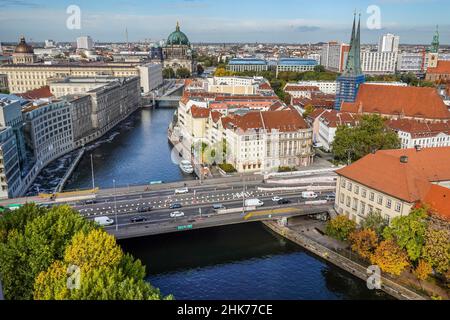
x=177, y=38
x=23, y=47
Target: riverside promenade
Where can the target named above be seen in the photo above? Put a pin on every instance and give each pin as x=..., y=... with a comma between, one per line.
x=392, y=288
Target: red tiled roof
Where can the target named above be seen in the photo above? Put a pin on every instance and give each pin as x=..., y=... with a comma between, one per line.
x=198, y=112
x=40, y=93
x=438, y=198
x=334, y=118
x=409, y=181
x=215, y=115
x=443, y=67
x=265, y=86
x=419, y=129
x=393, y=100
x=284, y=121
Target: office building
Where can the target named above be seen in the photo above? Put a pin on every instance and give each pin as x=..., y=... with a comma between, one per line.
x=389, y=43
x=150, y=76
x=374, y=63
x=85, y=43
x=247, y=64
x=10, y=176
x=334, y=56
x=295, y=65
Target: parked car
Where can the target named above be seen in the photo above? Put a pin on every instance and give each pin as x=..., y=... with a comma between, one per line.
x=144, y=209
x=181, y=191
x=284, y=201
x=176, y=206
x=138, y=219
x=177, y=214
x=104, y=221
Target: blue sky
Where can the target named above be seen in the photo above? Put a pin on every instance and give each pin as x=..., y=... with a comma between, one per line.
x=293, y=21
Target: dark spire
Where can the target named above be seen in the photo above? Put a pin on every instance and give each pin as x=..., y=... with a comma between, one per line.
x=353, y=66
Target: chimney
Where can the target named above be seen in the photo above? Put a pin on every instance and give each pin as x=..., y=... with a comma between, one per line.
x=404, y=159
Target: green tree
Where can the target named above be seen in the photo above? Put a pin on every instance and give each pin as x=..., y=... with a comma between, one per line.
x=168, y=73
x=409, y=232
x=369, y=135
x=308, y=110
x=437, y=247
x=340, y=227
x=30, y=250
x=105, y=273
x=18, y=219
x=374, y=221
x=183, y=73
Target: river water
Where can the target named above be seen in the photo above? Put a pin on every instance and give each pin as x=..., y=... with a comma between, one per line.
x=235, y=262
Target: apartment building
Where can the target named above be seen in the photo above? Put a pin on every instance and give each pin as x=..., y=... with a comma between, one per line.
x=392, y=182
x=374, y=63
x=334, y=55
x=329, y=122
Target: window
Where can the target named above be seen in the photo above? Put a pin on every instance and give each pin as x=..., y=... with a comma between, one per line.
x=372, y=196
x=362, y=208
x=398, y=207
x=348, y=202
x=357, y=189
x=355, y=204
x=363, y=193
x=388, y=203
x=349, y=186
x=380, y=200
x=342, y=198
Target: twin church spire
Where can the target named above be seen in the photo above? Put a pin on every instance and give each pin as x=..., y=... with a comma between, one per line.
x=353, y=65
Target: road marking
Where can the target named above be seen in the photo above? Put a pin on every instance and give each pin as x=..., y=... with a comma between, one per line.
x=270, y=212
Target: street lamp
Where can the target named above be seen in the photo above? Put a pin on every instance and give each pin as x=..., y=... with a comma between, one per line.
x=115, y=204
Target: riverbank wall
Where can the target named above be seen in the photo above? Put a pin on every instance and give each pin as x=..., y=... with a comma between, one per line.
x=388, y=286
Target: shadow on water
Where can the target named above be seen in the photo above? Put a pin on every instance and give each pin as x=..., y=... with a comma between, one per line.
x=241, y=262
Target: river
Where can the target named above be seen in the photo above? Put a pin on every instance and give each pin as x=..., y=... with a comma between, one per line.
x=234, y=262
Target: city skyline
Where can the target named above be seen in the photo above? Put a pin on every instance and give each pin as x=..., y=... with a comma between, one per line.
x=207, y=21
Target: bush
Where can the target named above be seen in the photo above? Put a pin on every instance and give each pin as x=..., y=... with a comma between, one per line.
x=228, y=168
x=286, y=169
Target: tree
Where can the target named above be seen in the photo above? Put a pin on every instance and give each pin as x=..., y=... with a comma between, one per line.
x=364, y=242
x=423, y=270
x=222, y=72
x=436, y=250
x=183, y=73
x=17, y=220
x=168, y=73
x=340, y=227
x=370, y=134
x=200, y=70
x=32, y=249
x=308, y=110
x=409, y=232
x=390, y=257
x=375, y=222
x=319, y=68
x=105, y=273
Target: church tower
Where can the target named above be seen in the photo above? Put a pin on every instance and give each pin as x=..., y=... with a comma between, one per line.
x=348, y=84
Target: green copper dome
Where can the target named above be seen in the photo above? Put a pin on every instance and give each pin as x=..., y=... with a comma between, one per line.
x=177, y=37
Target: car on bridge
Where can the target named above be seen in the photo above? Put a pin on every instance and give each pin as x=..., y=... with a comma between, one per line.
x=284, y=201
x=177, y=214
x=104, y=221
x=138, y=219
x=181, y=191
x=176, y=206
x=144, y=209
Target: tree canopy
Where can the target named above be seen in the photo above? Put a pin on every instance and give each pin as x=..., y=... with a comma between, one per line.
x=369, y=135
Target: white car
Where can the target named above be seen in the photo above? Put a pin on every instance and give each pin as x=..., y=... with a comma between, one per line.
x=177, y=214
x=276, y=199
x=182, y=191
x=104, y=221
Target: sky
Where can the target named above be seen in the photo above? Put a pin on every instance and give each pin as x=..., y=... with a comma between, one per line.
x=263, y=21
